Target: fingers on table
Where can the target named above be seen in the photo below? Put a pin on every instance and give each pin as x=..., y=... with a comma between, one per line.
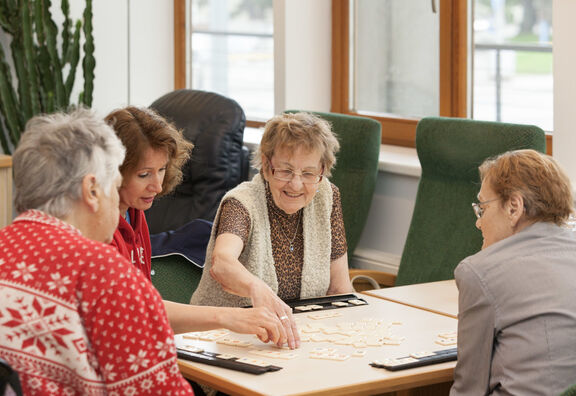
x=276, y=332
x=289, y=326
x=295, y=332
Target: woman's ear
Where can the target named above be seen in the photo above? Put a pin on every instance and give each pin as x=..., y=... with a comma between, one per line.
x=515, y=208
x=91, y=192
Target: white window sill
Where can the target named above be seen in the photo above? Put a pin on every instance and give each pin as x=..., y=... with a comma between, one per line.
x=399, y=160
x=393, y=159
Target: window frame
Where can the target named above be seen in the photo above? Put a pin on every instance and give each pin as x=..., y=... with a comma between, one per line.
x=180, y=53
x=398, y=130
x=395, y=129
x=179, y=44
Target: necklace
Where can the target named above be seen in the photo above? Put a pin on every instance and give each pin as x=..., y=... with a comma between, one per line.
x=291, y=241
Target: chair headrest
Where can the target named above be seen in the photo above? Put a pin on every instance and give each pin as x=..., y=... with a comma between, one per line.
x=456, y=147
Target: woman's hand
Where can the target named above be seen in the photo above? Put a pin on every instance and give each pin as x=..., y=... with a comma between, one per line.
x=260, y=321
x=263, y=296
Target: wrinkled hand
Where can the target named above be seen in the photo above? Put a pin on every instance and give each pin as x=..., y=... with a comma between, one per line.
x=260, y=321
x=264, y=297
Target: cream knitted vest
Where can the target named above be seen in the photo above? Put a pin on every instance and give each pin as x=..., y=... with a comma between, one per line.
x=257, y=254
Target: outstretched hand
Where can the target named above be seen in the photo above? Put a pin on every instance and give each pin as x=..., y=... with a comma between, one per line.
x=259, y=321
x=266, y=298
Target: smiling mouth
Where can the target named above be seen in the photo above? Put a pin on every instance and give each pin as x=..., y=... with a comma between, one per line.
x=292, y=195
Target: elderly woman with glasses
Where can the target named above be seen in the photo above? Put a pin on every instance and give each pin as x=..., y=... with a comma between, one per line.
x=281, y=235
x=517, y=296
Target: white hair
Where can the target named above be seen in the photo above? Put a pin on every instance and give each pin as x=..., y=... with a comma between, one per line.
x=55, y=152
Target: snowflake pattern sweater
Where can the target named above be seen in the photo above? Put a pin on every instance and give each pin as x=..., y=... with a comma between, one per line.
x=77, y=318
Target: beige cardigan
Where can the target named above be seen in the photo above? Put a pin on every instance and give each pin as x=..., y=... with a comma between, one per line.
x=257, y=254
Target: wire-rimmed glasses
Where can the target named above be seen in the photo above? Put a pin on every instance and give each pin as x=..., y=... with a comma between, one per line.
x=288, y=175
x=478, y=209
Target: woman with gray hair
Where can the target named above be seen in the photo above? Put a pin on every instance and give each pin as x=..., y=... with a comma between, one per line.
x=69, y=303
x=517, y=296
x=280, y=236
x=53, y=158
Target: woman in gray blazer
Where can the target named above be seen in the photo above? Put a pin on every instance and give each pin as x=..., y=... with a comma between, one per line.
x=517, y=296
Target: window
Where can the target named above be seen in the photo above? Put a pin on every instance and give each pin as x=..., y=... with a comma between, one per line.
x=395, y=57
x=512, y=71
x=230, y=51
x=397, y=61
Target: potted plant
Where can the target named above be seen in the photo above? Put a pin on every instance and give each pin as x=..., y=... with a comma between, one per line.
x=44, y=60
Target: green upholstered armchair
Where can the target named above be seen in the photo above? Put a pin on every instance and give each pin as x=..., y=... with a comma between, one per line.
x=571, y=391
x=356, y=169
x=175, y=278
x=442, y=231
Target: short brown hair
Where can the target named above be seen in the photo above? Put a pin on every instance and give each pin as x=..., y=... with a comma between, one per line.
x=544, y=186
x=143, y=128
x=298, y=130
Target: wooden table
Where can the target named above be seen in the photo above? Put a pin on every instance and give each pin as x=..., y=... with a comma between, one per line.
x=306, y=376
x=439, y=297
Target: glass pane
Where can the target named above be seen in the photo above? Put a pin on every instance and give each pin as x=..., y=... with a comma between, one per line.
x=395, y=61
x=512, y=80
x=232, y=52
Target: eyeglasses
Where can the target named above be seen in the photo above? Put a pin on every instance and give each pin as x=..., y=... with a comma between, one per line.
x=288, y=175
x=478, y=209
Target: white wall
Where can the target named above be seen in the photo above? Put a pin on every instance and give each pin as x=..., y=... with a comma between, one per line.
x=564, y=145
x=382, y=241
x=111, y=53
x=134, y=43
x=302, y=58
x=151, y=50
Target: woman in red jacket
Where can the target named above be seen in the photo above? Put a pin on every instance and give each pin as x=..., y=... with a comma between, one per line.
x=155, y=153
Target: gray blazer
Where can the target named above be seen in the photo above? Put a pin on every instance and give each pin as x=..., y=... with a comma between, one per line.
x=517, y=315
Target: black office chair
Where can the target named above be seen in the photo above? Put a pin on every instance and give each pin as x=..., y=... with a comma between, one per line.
x=178, y=259
x=9, y=379
x=219, y=161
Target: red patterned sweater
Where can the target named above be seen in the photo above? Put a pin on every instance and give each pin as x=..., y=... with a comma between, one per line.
x=78, y=318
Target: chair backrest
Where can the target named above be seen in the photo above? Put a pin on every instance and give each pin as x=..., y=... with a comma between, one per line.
x=189, y=241
x=178, y=259
x=9, y=380
x=356, y=169
x=215, y=124
x=442, y=231
x=175, y=278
